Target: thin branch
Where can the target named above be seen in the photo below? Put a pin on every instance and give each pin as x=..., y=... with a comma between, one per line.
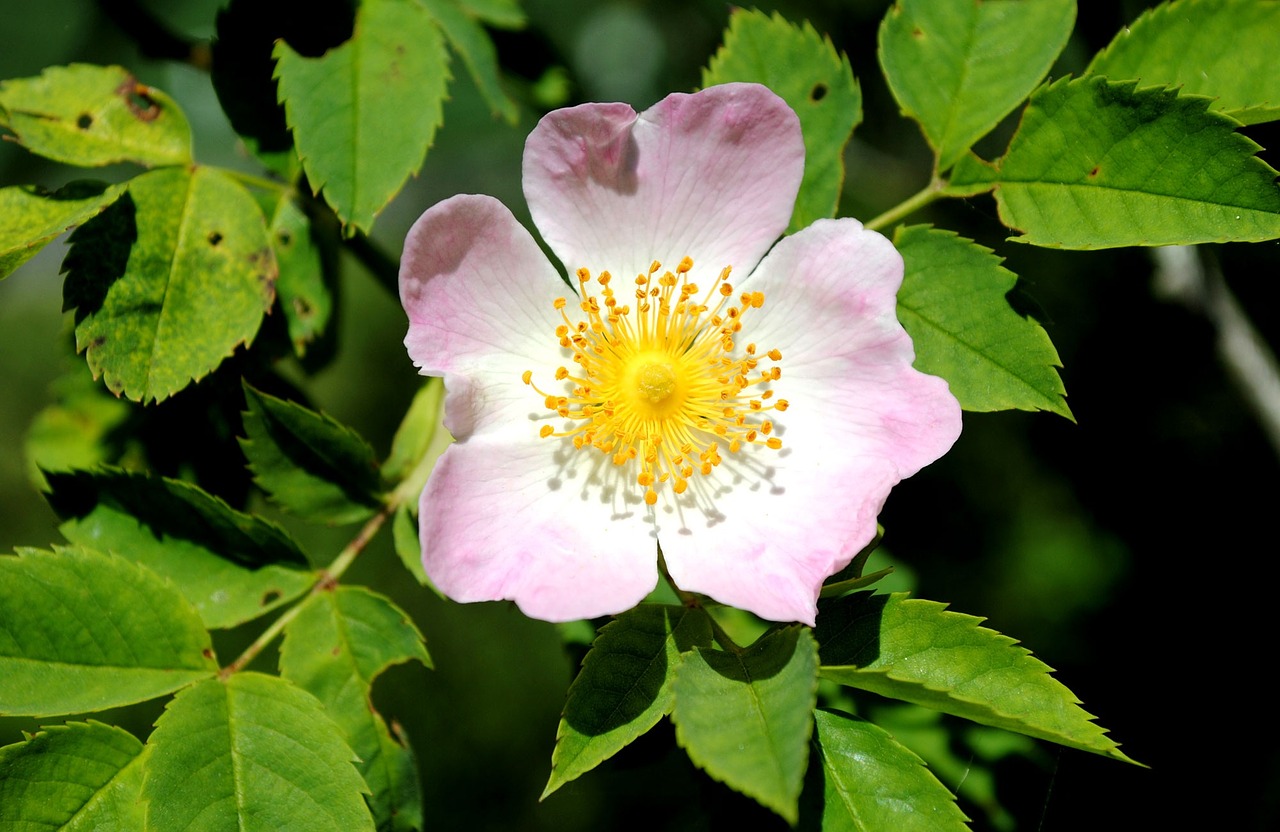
x=909, y=206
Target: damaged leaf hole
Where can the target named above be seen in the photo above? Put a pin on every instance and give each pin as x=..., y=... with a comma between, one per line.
x=137, y=97
x=85, y=121
x=284, y=238
x=818, y=92
x=270, y=597
x=214, y=238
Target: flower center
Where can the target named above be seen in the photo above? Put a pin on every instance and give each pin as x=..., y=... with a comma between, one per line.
x=663, y=384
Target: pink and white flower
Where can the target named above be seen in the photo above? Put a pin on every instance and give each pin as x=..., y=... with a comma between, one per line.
x=745, y=405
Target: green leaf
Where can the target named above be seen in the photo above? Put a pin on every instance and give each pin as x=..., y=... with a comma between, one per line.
x=1225, y=49
x=870, y=782
x=959, y=66
x=95, y=115
x=404, y=531
x=745, y=718
x=414, y=437
x=364, y=113
x=169, y=281
x=807, y=72
x=339, y=642
x=85, y=631
x=308, y=462
x=501, y=14
x=175, y=509
x=305, y=298
x=953, y=304
x=469, y=39
x=1098, y=164
x=78, y=777
x=31, y=217
x=916, y=651
x=251, y=753
x=76, y=430
x=224, y=593
x=624, y=687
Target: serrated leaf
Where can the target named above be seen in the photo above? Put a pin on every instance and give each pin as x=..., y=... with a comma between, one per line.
x=805, y=69
x=414, y=435
x=175, y=509
x=503, y=14
x=469, y=39
x=959, y=66
x=364, y=113
x=872, y=783
x=624, y=687
x=169, y=281
x=917, y=651
x=309, y=463
x=224, y=593
x=85, y=631
x=95, y=115
x=305, y=298
x=339, y=642
x=1098, y=164
x=745, y=718
x=251, y=753
x=953, y=304
x=1225, y=49
x=78, y=777
x=31, y=217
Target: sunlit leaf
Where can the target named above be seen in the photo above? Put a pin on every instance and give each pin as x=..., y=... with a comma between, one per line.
x=364, y=113
x=305, y=298
x=624, y=687
x=95, y=115
x=175, y=509
x=805, y=69
x=169, y=280
x=916, y=651
x=1225, y=49
x=309, y=463
x=85, y=631
x=469, y=39
x=225, y=593
x=1097, y=164
x=872, y=783
x=78, y=777
x=745, y=718
x=339, y=642
x=31, y=217
x=414, y=436
x=953, y=304
x=959, y=66
x=251, y=753
x=405, y=533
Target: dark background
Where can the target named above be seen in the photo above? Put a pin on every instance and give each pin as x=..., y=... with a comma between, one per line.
x=1131, y=551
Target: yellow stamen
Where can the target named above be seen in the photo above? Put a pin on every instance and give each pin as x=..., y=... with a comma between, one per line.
x=664, y=385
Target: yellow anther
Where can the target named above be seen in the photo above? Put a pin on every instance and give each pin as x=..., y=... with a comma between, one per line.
x=560, y=303
x=774, y=442
x=527, y=376
x=686, y=264
x=650, y=497
x=546, y=431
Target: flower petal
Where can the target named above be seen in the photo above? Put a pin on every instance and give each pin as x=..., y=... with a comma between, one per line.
x=860, y=419
x=509, y=519
x=479, y=294
x=712, y=176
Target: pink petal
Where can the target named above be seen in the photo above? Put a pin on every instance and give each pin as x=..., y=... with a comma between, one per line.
x=479, y=294
x=509, y=518
x=860, y=420
x=712, y=176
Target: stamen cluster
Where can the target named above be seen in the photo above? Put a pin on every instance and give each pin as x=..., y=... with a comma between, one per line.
x=663, y=383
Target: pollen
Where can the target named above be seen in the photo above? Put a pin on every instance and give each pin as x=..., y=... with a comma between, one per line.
x=659, y=384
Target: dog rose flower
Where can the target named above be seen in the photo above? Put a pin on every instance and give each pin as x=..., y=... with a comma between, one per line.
x=743, y=402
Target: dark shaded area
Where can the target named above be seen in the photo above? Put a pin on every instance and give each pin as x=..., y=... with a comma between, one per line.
x=243, y=63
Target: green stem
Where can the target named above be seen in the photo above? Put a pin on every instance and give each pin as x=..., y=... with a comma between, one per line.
x=384, y=268
x=692, y=600
x=326, y=580
x=255, y=181
x=914, y=203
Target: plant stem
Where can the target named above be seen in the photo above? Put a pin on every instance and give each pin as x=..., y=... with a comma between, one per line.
x=384, y=268
x=257, y=181
x=326, y=580
x=692, y=600
x=914, y=203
